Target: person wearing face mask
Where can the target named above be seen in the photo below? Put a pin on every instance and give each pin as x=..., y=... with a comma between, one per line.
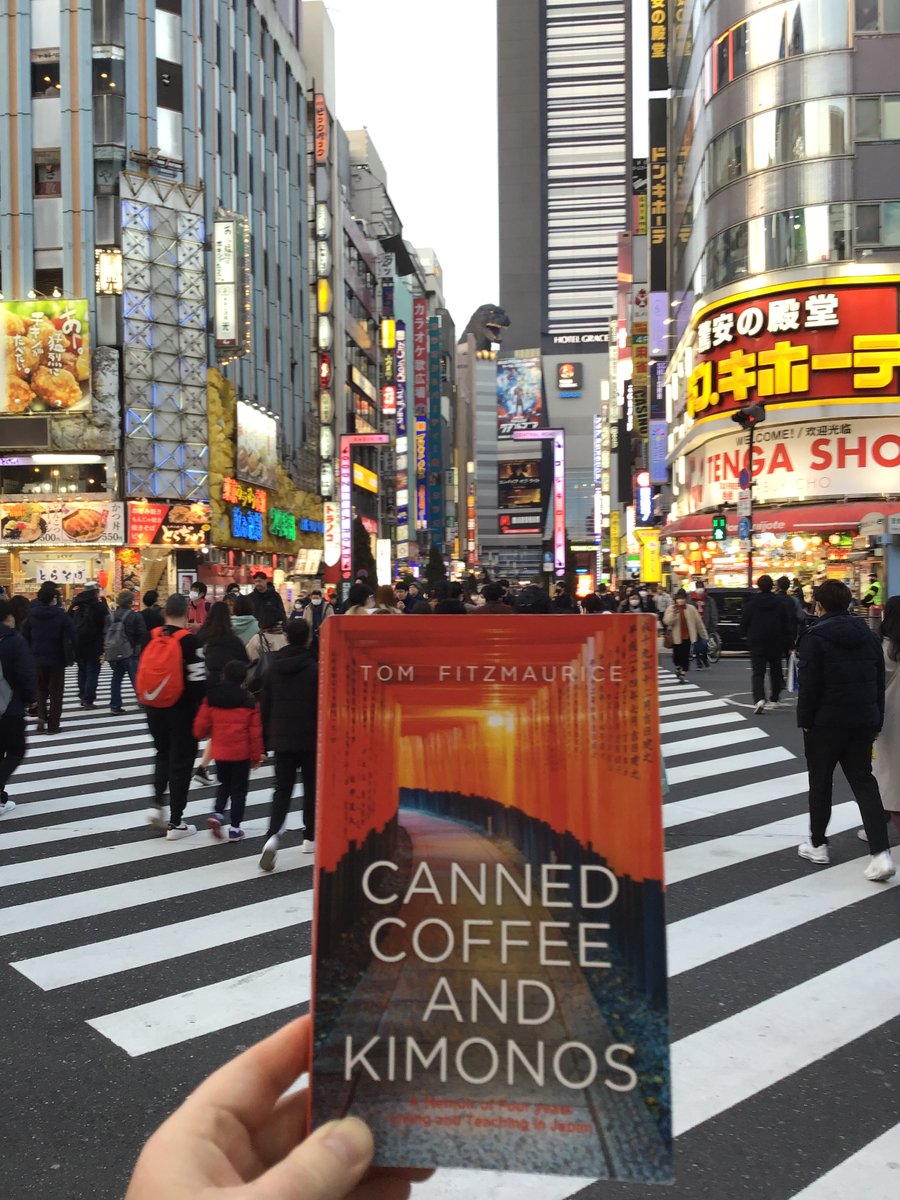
x=317, y=611
x=709, y=615
x=199, y=606
x=684, y=626
x=298, y=608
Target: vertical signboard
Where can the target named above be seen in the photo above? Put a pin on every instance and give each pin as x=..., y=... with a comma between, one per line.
x=435, y=439
x=659, y=45
x=420, y=405
x=640, y=379
x=658, y=182
x=231, y=274
x=348, y=441
x=639, y=197
x=401, y=450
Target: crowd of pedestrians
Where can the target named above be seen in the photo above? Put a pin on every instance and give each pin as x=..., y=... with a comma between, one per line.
x=240, y=674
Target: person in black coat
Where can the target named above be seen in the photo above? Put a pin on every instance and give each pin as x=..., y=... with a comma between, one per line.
x=51, y=635
x=20, y=692
x=840, y=708
x=266, y=602
x=151, y=613
x=89, y=615
x=290, y=713
x=766, y=628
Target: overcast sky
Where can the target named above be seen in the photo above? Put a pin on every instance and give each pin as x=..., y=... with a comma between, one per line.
x=421, y=75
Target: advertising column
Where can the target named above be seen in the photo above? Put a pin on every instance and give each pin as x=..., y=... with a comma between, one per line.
x=420, y=401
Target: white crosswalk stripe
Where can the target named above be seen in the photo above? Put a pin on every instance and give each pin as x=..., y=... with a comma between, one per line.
x=97, y=902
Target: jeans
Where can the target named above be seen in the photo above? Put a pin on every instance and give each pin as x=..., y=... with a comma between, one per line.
x=50, y=683
x=125, y=666
x=852, y=749
x=760, y=658
x=12, y=746
x=88, y=675
x=234, y=779
x=287, y=763
x=176, y=749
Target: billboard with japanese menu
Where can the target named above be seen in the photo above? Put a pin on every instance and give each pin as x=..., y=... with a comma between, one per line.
x=47, y=357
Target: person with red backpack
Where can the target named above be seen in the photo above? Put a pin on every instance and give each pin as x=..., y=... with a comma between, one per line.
x=170, y=685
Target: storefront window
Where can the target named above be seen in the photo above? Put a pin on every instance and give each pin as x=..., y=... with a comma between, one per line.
x=52, y=480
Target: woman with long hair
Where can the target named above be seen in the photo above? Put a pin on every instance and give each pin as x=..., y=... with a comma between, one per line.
x=221, y=645
x=886, y=767
x=386, y=602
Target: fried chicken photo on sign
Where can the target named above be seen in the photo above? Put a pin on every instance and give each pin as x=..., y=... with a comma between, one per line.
x=11, y=324
x=21, y=356
x=18, y=395
x=59, y=390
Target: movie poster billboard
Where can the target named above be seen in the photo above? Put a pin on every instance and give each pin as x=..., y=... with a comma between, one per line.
x=519, y=484
x=257, y=446
x=47, y=357
x=520, y=396
x=490, y=938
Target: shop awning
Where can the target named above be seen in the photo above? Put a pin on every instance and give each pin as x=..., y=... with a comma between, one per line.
x=806, y=518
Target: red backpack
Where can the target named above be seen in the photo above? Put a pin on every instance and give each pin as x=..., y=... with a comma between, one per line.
x=160, y=673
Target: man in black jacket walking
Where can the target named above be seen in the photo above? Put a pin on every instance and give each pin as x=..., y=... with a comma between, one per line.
x=290, y=714
x=51, y=635
x=266, y=601
x=17, y=691
x=840, y=709
x=89, y=615
x=766, y=627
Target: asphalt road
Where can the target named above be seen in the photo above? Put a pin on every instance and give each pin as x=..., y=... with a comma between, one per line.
x=130, y=968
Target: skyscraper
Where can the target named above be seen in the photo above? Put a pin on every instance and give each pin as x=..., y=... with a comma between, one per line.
x=564, y=155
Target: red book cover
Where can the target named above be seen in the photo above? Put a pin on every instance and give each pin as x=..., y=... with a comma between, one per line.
x=490, y=974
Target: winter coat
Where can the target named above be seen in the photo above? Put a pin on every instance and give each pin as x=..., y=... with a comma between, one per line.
x=17, y=662
x=89, y=617
x=266, y=640
x=217, y=654
x=315, y=614
x=230, y=718
x=886, y=767
x=841, y=673
x=245, y=628
x=707, y=608
x=671, y=620
x=290, y=700
x=766, y=623
x=152, y=617
x=50, y=634
x=267, y=604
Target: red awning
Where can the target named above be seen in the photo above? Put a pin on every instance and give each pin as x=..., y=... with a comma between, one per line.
x=807, y=518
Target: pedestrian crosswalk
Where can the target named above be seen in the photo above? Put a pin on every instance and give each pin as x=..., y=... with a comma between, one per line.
x=154, y=946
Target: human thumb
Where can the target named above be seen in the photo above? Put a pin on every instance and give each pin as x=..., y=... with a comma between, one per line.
x=327, y=1166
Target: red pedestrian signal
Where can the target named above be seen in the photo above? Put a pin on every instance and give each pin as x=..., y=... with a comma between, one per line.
x=750, y=416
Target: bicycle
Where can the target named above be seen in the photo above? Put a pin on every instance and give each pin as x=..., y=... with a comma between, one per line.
x=713, y=649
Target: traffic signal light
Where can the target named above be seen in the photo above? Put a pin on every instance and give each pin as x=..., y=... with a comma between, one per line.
x=750, y=416
x=719, y=527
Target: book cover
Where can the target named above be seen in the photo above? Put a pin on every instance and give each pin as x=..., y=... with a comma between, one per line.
x=490, y=975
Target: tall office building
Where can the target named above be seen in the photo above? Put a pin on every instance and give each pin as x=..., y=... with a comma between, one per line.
x=784, y=195
x=564, y=163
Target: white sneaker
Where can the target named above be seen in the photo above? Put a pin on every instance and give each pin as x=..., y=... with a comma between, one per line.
x=6, y=806
x=269, y=854
x=881, y=867
x=175, y=832
x=814, y=854
x=158, y=817
x=759, y=706
x=861, y=834
x=308, y=847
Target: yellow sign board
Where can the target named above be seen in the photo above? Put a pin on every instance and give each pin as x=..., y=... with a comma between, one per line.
x=365, y=478
x=615, y=532
x=648, y=539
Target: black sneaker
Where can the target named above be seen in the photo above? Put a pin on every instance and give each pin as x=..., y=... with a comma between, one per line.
x=202, y=775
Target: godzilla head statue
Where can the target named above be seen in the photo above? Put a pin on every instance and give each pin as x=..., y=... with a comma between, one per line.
x=486, y=325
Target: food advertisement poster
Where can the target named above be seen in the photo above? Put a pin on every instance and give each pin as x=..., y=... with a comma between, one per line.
x=257, y=446
x=62, y=523
x=490, y=954
x=519, y=484
x=47, y=365
x=520, y=395
x=168, y=524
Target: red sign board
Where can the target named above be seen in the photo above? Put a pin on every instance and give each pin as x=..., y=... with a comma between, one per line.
x=321, y=129
x=420, y=356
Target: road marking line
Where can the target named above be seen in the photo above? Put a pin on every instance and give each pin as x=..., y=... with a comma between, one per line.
x=726, y=1063
x=205, y=1010
x=712, y=741
x=52, y=747
x=96, y=960
x=712, y=934
x=58, y=910
x=724, y=766
x=696, y=706
x=873, y=1172
x=714, y=804
x=727, y=718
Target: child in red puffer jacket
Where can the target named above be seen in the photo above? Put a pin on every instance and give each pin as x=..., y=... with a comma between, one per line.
x=229, y=717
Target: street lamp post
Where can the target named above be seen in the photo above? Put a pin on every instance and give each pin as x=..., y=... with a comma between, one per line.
x=748, y=418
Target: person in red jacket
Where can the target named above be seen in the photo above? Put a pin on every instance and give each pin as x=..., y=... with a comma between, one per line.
x=230, y=718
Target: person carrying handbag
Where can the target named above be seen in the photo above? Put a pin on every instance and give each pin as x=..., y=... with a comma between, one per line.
x=684, y=625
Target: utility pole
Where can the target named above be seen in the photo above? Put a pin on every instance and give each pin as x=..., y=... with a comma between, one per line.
x=748, y=418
